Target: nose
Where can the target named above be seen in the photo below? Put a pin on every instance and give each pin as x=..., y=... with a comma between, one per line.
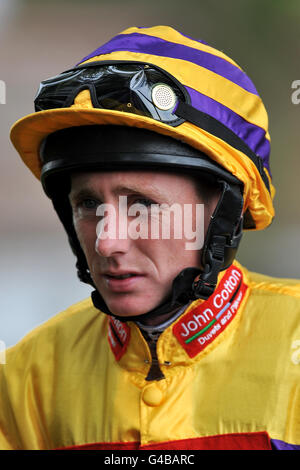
x=112, y=233
x=109, y=247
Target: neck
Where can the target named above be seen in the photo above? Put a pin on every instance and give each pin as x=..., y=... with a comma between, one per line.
x=161, y=322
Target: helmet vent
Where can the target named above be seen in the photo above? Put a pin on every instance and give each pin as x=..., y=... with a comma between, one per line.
x=163, y=97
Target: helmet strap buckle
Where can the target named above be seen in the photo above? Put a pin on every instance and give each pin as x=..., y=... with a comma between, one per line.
x=205, y=284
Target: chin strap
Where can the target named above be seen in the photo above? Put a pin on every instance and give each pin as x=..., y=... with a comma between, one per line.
x=190, y=284
x=204, y=286
x=182, y=293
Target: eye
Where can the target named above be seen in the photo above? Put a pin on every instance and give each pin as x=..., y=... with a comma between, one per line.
x=86, y=207
x=89, y=204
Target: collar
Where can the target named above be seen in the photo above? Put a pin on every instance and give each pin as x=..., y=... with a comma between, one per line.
x=198, y=330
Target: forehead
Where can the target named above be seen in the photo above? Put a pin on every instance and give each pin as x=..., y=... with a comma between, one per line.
x=139, y=181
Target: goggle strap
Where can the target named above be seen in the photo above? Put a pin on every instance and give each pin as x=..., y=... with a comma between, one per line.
x=215, y=127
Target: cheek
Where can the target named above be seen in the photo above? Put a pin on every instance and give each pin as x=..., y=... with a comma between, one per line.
x=168, y=257
x=181, y=256
x=86, y=234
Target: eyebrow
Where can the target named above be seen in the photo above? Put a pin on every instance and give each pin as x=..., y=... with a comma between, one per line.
x=88, y=192
x=132, y=189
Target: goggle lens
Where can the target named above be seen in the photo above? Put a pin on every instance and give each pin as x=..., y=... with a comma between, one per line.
x=129, y=87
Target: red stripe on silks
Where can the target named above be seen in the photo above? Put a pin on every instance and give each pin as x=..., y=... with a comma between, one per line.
x=237, y=441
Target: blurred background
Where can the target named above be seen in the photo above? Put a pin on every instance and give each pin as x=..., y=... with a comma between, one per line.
x=39, y=39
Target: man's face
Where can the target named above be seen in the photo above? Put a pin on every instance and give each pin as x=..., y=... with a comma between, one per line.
x=134, y=273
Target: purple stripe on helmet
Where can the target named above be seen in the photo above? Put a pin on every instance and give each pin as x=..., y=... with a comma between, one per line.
x=136, y=42
x=252, y=135
x=281, y=445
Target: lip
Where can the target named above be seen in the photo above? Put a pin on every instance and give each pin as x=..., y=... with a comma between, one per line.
x=122, y=285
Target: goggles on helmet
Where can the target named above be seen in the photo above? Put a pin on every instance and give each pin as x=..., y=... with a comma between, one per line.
x=130, y=87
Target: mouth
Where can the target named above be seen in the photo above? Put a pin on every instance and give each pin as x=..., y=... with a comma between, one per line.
x=120, y=276
x=122, y=282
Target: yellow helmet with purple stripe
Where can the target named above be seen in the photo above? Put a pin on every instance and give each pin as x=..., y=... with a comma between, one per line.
x=217, y=108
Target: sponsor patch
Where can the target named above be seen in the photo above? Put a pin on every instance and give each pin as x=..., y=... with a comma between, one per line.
x=118, y=337
x=201, y=325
